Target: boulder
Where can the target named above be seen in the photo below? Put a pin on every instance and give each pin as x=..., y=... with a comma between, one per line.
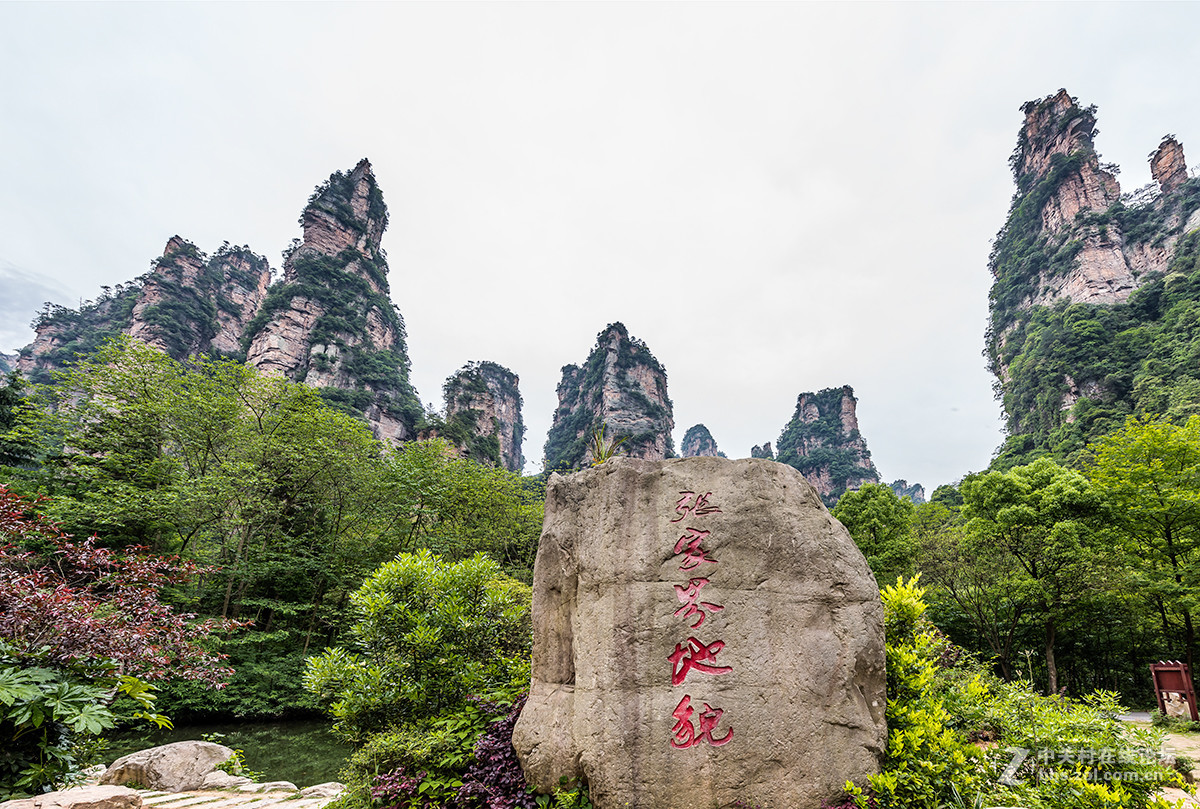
x=704, y=631
x=88, y=797
x=172, y=767
x=269, y=786
x=220, y=779
x=329, y=789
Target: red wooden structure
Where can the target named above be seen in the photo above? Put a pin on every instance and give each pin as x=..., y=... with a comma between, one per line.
x=1174, y=689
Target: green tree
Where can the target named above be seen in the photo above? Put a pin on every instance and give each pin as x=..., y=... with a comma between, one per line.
x=456, y=507
x=974, y=579
x=1149, y=471
x=1043, y=518
x=228, y=467
x=13, y=450
x=427, y=634
x=880, y=524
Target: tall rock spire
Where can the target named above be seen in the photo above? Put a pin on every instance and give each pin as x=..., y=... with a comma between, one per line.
x=330, y=324
x=621, y=386
x=822, y=441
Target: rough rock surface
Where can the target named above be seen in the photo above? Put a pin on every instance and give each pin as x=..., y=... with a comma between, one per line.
x=8, y=362
x=483, y=414
x=699, y=443
x=823, y=441
x=767, y=683
x=86, y=797
x=191, y=304
x=329, y=789
x=171, y=767
x=220, y=779
x=1167, y=166
x=621, y=386
x=330, y=323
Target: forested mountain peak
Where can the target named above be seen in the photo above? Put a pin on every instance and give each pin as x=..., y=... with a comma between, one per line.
x=620, y=386
x=823, y=442
x=330, y=323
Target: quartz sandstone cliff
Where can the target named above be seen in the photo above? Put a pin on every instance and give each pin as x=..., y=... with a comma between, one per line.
x=823, y=442
x=621, y=386
x=192, y=305
x=188, y=305
x=698, y=442
x=483, y=415
x=330, y=323
x=1072, y=241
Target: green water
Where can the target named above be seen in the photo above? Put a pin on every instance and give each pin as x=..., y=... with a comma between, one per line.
x=303, y=752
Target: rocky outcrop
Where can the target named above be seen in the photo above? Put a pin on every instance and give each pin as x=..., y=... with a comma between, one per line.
x=330, y=322
x=914, y=493
x=1167, y=166
x=64, y=333
x=823, y=442
x=1069, y=235
x=699, y=443
x=704, y=633
x=483, y=415
x=171, y=767
x=621, y=386
x=1073, y=241
x=8, y=362
x=192, y=305
x=764, y=451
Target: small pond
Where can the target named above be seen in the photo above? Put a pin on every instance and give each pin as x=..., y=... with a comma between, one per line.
x=304, y=752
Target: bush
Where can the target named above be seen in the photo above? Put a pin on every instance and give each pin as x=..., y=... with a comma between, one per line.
x=429, y=633
x=1048, y=752
x=80, y=627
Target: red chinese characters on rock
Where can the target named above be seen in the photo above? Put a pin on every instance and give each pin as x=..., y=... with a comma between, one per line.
x=685, y=734
x=694, y=654
x=691, y=503
x=690, y=597
x=691, y=655
x=689, y=545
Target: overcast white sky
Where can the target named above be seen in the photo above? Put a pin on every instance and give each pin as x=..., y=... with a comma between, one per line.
x=776, y=198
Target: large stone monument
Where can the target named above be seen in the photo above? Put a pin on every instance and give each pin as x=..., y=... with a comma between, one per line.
x=704, y=633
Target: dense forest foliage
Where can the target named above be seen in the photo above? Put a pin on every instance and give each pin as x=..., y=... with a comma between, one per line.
x=304, y=566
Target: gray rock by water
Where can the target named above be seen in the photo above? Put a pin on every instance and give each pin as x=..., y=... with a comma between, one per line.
x=223, y=780
x=88, y=797
x=171, y=767
x=704, y=632
x=329, y=789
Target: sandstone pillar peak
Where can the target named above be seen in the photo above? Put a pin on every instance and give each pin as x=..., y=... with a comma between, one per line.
x=704, y=633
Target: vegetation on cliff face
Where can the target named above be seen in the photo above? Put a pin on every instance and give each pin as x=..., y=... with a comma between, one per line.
x=822, y=442
x=356, y=338
x=72, y=332
x=642, y=416
x=1070, y=370
x=184, y=319
x=478, y=398
x=698, y=441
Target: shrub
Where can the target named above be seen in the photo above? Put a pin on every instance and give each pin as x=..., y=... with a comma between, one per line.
x=428, y=634
x=1049, y=752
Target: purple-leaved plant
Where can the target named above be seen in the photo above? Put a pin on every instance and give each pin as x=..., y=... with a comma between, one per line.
x=495, y=780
